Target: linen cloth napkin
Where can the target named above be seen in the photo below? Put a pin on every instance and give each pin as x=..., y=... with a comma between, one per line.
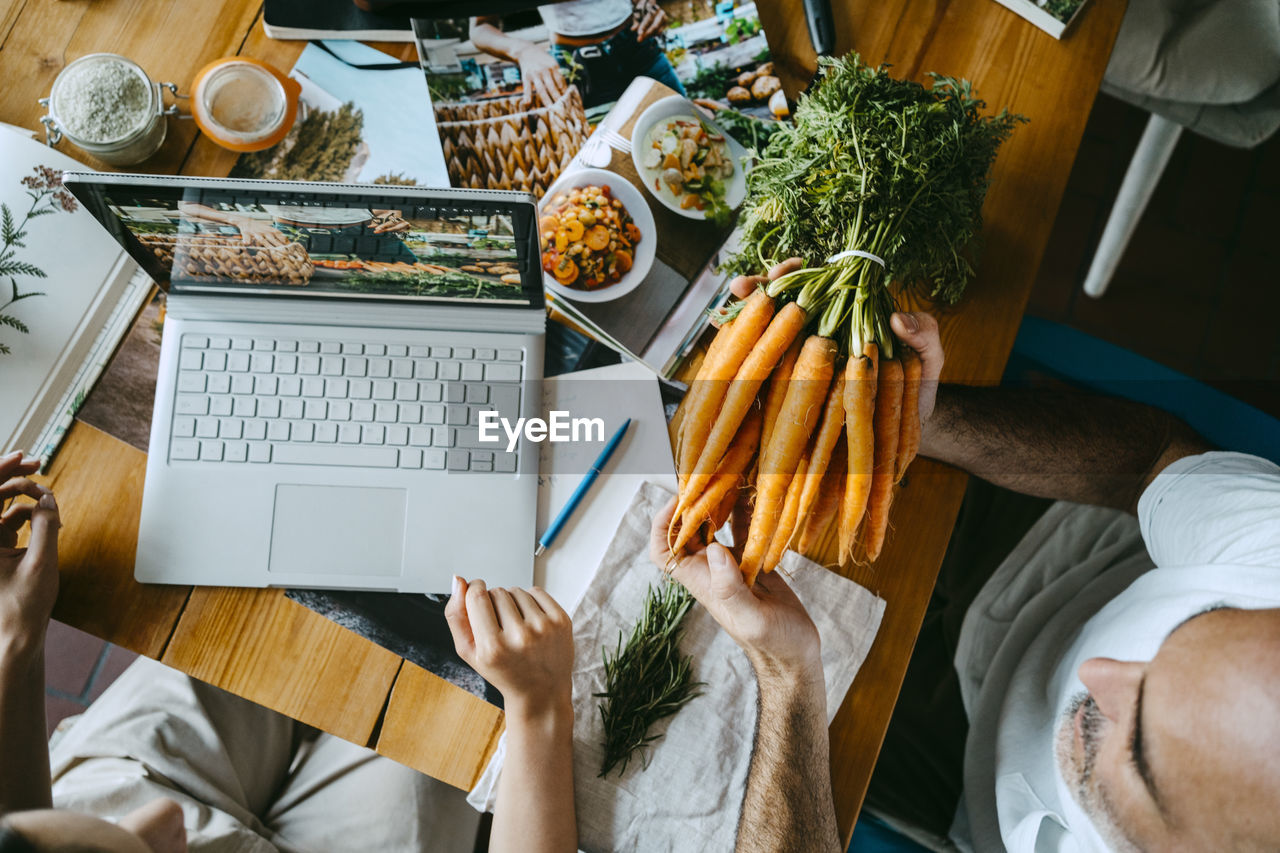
x=690, y=794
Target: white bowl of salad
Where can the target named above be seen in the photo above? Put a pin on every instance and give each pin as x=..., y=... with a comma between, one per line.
x=687, y=162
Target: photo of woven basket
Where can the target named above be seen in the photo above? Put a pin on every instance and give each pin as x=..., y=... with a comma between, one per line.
x=496, y=144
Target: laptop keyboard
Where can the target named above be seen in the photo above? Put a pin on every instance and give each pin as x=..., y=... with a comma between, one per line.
x=346, y=403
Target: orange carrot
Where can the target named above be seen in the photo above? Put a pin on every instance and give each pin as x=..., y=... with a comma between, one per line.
x=755, y=369
x=787, y=521
x=721, y=515
x=829, y=432
x=727, y=475
x=696, y=388
x=859, y=407
x=830, y=495
x=806, y=392
x=740, y=335
x=887, y=424
x=778, y=388
x=909, y=433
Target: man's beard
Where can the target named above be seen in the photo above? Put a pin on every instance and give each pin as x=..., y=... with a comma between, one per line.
x=1078, y=769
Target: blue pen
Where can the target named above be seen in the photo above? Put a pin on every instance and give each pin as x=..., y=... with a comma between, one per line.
x=603, y=459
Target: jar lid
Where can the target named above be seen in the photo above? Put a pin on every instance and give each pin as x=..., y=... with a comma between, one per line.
x=243, y=104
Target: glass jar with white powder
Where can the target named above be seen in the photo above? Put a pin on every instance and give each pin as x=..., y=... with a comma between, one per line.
x=108, y=106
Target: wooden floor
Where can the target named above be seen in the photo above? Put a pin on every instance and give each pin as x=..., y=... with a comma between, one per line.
x=1198, y=289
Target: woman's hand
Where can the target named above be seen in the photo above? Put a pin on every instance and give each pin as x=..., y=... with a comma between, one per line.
x=28, y=576
x=519, y=640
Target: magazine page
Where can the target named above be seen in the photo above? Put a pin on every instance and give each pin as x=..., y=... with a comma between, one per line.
x=515, y=97
x=363, y=117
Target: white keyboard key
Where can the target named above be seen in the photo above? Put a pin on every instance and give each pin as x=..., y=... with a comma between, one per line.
x=406, y=390
x=410, y=413
x=255, y=430
x=237, y=451
x=219, y=343
x=238, y=362
x=264, y=344
x=220, y=406
x=309, y=365
x=505, y=463
x=194, y=342
x=259, y=451
x=442, y=437
x=327, y=432
x=191, y=383
x=308, y=346
x=360, y=389
x=220, y=383
x=215, y=361
x=450, y=371
x=206, y=427
x=278, y=431
x=473, y=371
x=510, y=355
x=349, y=433
x=302, y=431
x=463, y=353
x=455, y=393
x=481, y=465
x=440, y=352
x=339, y=410
x=286, y=365
x=384, y=389
x=469, y=438
x=386, y=413
x=183, y=427
x=316, y=410
x=397, y=435
x=402, y=369
x=459, y=460
x=244, y=407
x=362, y=411
x=313, y=386
x=242, y=343
x=269, y=407
x=356, y=457
x=486, y=354
x=330, y=347
x=266, y=386
x=368, y=434
x=291, y=409
x=355, y=367
x=481, y=456
x=502, y=373
x=433, y=459
x=191, y=360
x=456, y=416
x=183, y=448
x=477, y=394
x=375, y=349
x=410, y=458
x=379, y=368
x=336, y=389
x=352, y=349
x=420, y=436
x=331, y=365
x=430, y=392
x=230, y=428
x=423, y=369
x=397, y=350
x=211, y=451
x=261, y=362
x=433, y=414
x=290, y=386
x=242, y=383
x=419, y=352
x=286, y=346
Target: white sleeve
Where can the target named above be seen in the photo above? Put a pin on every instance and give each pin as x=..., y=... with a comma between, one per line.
x=1216, y=508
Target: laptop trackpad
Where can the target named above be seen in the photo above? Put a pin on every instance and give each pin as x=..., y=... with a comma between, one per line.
x=334, y=530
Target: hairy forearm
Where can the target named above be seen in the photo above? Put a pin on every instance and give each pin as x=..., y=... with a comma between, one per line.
x=24, y=753
x=788, y=804
x=493, y=41
x=1065, y=445
x=534, y=812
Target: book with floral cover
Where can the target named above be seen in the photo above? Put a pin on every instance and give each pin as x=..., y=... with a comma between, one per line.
x=62, y=312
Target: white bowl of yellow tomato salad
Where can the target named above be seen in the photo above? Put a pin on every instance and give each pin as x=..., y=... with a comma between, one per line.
x=597, y=237
x=686, y=161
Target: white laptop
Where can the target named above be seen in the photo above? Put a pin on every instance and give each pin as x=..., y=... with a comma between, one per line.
x=327, y=352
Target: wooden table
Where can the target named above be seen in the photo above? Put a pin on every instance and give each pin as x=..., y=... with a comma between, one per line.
x=260, y=645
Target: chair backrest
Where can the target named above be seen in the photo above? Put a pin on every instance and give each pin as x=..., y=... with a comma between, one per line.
x=1088, y=362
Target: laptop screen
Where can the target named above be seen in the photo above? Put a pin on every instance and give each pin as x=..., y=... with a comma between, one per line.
x=235, y=238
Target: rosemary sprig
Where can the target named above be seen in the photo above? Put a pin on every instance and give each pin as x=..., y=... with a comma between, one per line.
x=646, y=679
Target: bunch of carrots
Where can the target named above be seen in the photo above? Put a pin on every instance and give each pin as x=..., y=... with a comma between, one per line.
x=826, y=435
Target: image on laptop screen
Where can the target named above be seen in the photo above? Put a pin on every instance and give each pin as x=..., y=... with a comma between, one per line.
x=341, y=247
